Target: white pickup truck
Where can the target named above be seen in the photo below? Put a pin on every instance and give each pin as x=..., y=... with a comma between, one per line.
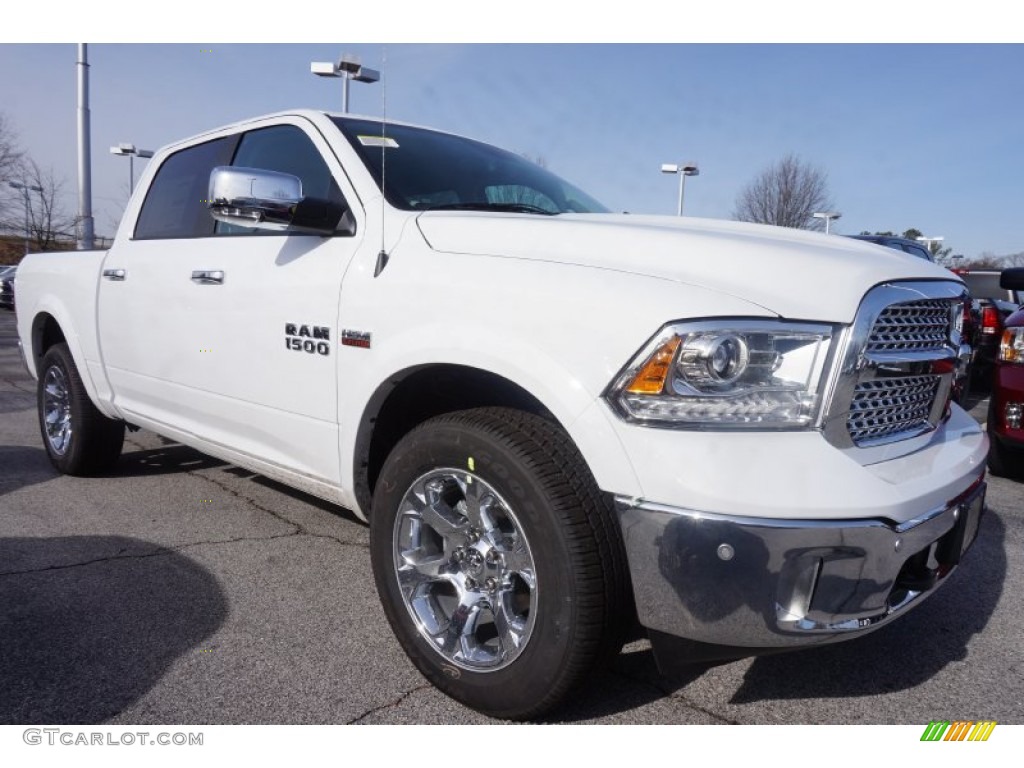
x=560, y=423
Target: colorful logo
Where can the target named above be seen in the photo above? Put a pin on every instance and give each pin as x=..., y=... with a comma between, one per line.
x=958, y=730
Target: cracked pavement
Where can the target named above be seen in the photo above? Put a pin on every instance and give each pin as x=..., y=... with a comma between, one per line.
x=180, y=589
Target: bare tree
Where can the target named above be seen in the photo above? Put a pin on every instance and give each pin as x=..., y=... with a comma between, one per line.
x=10, y=154
x=987, y=260
x=49, y=225
x=785, y=194
x=10, y=168
x=535, y=159
x=1014, y=259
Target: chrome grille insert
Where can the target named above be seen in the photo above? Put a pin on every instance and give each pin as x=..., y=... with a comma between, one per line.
x=898, y=360
x=883, y=408
x=912, y=326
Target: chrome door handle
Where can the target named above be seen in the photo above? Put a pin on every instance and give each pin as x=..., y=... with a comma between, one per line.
x=114, y=274
x=208, y=276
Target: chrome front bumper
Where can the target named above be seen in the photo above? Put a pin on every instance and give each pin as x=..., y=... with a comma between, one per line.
x=771, y=584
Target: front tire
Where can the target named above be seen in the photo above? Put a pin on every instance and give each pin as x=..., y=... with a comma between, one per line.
x=498, y=561
x=78, y=438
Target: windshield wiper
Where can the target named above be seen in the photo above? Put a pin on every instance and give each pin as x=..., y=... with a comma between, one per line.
x=506, y=207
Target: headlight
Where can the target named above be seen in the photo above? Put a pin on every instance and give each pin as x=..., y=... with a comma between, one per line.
x=1011, y=348
x=728, y=374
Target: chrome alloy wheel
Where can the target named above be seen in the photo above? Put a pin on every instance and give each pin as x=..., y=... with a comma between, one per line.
x=465, y=570
x=57, y=410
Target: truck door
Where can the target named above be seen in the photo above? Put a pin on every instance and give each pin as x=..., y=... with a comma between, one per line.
x=226, y=333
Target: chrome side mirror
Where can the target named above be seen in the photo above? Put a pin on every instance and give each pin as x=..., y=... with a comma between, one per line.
x=254, y=198
x=258, y=199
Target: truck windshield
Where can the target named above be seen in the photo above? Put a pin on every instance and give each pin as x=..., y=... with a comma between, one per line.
x=429, y=170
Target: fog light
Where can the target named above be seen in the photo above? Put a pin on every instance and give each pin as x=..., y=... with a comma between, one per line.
x=1013, y=414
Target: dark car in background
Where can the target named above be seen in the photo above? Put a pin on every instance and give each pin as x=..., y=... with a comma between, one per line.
x=7, y=287
x=991, y=305
x=912, y=247
x=1006, y=405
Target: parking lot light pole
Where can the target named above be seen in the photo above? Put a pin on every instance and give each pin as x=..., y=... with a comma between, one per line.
x=929, y=241
x=348, y=69
x=828, y=216
x=684, y=170
x=131, y=151
x=25, y=190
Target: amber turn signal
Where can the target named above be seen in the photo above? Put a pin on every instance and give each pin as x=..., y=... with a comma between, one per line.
x=650, y=380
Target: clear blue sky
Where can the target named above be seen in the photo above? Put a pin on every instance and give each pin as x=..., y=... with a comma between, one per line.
x=922, y=135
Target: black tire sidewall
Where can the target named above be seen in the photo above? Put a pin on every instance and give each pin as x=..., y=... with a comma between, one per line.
x=59, y=357
x=539, y=670
x=95, y=440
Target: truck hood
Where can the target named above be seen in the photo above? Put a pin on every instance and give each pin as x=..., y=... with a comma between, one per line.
x=792, y=273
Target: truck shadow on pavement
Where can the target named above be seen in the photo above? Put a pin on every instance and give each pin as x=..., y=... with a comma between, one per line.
x=170, y=458
x=15, y=401
x=80, y=643
x=21, y=466
x=174, y=458
x=901, y=656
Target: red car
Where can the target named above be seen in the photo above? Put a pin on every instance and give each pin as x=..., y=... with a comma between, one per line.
x=1006, y=406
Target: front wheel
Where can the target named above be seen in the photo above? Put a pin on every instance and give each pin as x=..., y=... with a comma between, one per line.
x=79, y=439
x=498, y=561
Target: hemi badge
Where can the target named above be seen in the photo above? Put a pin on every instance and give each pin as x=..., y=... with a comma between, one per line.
x=355, y=339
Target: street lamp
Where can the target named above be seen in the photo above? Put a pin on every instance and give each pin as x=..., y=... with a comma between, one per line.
x=132, y=152
x=348, y=69
x=25, y=190
x=828, y=216
x=929, y=241
x=684, y=170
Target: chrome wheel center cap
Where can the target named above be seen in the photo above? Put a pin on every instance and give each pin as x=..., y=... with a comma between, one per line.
x=473, y=565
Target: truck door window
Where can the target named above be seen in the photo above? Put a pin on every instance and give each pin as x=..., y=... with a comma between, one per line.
x=286, y=149
x=175, y=205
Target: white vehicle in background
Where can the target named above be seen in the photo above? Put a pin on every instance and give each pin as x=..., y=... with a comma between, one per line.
x=557, y=420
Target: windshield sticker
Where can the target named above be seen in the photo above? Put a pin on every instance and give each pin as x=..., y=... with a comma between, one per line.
x=378, y=141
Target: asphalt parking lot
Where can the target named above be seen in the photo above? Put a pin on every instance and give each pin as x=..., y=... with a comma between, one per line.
x=179, y=589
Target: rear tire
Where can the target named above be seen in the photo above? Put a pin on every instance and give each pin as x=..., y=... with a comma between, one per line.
x=78, y=438
x=498, y=561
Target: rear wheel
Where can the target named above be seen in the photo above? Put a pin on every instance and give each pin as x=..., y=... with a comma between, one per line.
x=498, y=561
x=78, y=438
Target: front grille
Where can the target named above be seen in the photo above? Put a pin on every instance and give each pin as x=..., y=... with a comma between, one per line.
x=883, y=408
x=911, y=326
x=896, y=374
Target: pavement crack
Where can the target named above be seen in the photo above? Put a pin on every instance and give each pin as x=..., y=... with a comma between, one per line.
x=693, y=705
x=160, y=551
x=675, y=695
x=299, y=529
x=18, y=386
x=388, y=705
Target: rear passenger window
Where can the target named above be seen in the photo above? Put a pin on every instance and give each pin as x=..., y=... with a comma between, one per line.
x=175, y=205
